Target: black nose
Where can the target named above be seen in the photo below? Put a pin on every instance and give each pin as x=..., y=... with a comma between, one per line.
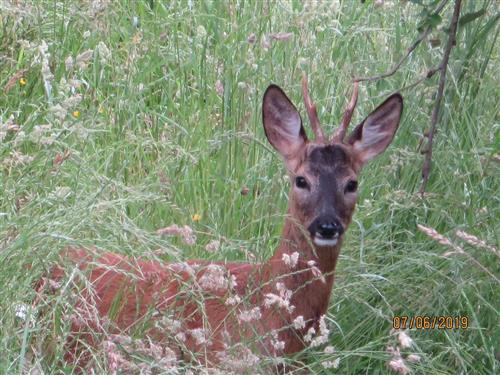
x=330, y=228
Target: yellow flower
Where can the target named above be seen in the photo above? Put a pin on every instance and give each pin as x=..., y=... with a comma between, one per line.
x=23, y=81
x=196, y=217
x=76, y=114
x=100, y=109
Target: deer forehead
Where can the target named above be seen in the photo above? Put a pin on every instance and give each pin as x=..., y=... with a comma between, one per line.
x=331, y=159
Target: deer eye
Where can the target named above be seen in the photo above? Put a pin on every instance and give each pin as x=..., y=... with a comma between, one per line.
x=351, y=186
x=301, y=182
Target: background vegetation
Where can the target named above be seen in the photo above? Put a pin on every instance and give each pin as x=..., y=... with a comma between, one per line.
x=126, y=117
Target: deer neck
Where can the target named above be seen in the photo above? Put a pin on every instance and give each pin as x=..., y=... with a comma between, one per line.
x=311, y=287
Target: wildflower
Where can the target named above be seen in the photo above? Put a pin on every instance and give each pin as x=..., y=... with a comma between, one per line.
x=100, y=109
x=219, y=88
x=329, y=350
x=17, y=158
x=185, y=232
x=413, y=358
x=200, y=335
x=282, y=300
x=231, y=301
x=399, y=365
x=76, y=114
x=298, y=322
x=316, y=271
x=104, y=52
x=68, y=63
x=212, y=246
x=214, y=278
x=23, y=81
x=84, y=58
x=281, y=36
x=405, y=341
x=251, y=38
x=475, y=241
x=331, y=364
x=16, y=77
x=291, y=260
x=309, y=335
x=322, y=338
x=21, y=310
x=249, y=315
x=238, y=360
x=196, y=217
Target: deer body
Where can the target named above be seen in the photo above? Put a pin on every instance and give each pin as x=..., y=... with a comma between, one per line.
x=287, y=298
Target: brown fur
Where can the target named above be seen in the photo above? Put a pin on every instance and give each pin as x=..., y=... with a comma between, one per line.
x=132, y=295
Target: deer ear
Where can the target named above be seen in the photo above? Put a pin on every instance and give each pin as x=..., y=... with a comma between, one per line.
x=282, y=123
x=375, y=133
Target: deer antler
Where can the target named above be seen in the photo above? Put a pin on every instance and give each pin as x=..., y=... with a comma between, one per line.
x=311, y=111
x=339, y=134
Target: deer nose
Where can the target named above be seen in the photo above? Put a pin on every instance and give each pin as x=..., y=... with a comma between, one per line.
x=330, y=228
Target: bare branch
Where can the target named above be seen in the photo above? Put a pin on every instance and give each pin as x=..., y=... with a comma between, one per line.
x=409, y=50
x=339, y=134
x=442, y=79
x=311, y=111
x=429, y=74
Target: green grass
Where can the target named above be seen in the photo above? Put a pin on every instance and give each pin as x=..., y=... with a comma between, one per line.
x=155, y=143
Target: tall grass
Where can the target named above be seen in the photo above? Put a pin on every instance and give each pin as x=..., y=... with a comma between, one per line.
x=161, y=121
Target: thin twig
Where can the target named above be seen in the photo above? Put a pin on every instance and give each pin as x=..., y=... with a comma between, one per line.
x=409, y=50
x=429, y=74
x=311, y=111
x=442, y=79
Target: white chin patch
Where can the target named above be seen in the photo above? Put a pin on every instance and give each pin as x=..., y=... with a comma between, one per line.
x=325, y=241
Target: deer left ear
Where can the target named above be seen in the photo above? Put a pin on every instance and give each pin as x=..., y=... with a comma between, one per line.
x=375, y=133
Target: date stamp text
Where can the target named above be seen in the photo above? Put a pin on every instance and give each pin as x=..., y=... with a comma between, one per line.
x=430, y=322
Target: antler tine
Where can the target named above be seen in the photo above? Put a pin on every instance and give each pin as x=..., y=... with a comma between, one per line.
x=339, y=134
x=311, y=111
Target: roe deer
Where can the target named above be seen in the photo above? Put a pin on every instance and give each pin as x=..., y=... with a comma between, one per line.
x=205, y=308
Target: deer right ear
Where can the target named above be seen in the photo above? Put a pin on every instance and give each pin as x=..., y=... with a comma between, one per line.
x=376, y=132
x=282, y=123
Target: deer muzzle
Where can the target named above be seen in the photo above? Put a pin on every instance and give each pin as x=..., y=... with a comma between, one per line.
x=326, y=230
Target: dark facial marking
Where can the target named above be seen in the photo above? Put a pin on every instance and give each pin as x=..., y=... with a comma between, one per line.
x=329, y=163
x=327, y=157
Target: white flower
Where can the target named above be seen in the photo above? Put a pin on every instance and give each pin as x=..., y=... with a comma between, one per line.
x=231, y=301
x=316, y=271
x=104, y=52
x=215, y=278
x=249, y=315
x=212, y=246
x=331, y=364
x=298, y=322
x=399, y=365
x=282, y=300
x=21, y=310
x=291, y=260
x=413, y=358
x=83, y=58
x=405, y=341
x=308, y=336
x=69, y=63
x=200, y=335
x=329, y=349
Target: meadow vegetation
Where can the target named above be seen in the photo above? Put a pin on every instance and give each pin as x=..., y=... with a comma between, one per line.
x=119, y=118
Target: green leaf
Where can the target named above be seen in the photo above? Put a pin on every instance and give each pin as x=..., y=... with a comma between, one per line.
x=469, y=17
x=434, y=20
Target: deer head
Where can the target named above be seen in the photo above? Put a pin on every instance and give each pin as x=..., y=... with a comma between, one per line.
x=324, y=173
